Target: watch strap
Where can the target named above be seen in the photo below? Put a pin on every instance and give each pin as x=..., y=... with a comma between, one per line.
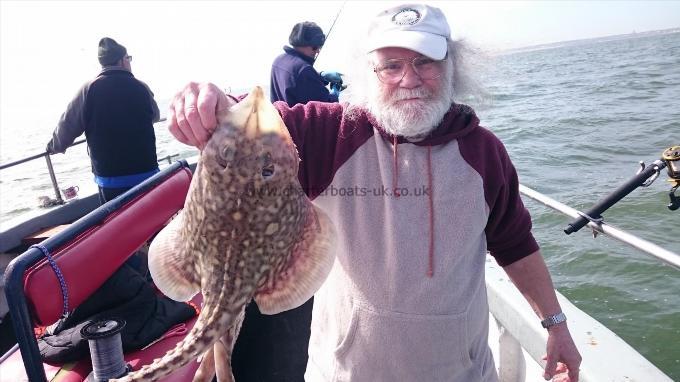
x=553, y=320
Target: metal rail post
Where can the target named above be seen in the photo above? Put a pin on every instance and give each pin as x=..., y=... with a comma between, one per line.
x=53, y=177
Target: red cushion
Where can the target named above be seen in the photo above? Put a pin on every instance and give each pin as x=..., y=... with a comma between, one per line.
x=91, y=258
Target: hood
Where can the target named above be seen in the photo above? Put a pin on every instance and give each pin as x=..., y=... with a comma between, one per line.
x=458, y=122
x=295, y=53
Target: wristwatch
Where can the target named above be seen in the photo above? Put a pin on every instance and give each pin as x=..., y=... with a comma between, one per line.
x=553, y=320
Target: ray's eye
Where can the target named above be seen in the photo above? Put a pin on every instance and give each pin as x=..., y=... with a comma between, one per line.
x=268, y=171
x=268, y=167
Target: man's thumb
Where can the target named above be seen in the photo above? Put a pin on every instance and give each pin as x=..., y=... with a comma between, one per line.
x=550, y=367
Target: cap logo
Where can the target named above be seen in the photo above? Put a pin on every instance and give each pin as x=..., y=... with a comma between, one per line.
x=406, y=16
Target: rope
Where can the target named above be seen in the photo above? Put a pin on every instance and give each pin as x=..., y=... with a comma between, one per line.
x=60, y=276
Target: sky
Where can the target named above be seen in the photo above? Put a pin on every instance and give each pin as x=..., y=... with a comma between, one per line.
x=48, y=48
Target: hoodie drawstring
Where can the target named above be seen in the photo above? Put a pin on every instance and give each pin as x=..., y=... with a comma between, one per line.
x=396, y=168
x=395, y=183
x=430, y=271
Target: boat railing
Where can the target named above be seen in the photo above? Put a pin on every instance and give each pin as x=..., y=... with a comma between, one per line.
x=50, y=167
x=645, y=246
x=606, y=357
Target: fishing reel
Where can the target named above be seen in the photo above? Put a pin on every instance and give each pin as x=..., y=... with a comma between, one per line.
x=672, y=158
x=645, y=176
x=106, y=349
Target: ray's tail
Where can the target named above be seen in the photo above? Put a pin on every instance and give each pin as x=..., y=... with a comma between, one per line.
x=214, y=321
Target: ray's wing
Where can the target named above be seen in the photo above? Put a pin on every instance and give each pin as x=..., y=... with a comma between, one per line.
x=309, y=265
x=173, y=272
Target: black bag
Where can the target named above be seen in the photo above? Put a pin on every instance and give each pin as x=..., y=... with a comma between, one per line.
x=126, y=295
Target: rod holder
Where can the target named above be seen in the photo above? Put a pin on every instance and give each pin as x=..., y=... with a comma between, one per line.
x=595, y=213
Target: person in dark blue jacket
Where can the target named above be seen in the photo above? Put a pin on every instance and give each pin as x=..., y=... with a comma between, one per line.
x=294, y=80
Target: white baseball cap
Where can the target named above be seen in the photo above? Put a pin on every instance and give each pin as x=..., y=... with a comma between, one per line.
x=417, y=27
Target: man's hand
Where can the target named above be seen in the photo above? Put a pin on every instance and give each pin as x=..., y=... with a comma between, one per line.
x=532, y=278
x=562, y=358
x=192, y=115
x=332, y=77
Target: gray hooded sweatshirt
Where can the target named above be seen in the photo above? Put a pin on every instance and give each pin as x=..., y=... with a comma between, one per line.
x=406, y=297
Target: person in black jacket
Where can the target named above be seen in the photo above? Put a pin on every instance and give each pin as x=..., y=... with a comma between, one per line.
x=116, y=112
x=293, y=79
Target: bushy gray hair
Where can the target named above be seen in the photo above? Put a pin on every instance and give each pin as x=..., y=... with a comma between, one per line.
x=469, y=65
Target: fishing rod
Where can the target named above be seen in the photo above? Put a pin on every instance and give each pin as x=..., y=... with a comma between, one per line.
x=330, y=29
x=670, y=159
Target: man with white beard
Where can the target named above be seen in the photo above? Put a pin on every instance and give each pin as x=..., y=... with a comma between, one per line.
x=419, y=192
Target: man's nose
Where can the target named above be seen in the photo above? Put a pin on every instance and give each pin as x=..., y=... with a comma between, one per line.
x=411, y=79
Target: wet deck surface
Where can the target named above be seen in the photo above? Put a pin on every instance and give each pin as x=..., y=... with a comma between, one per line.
x=44, y=234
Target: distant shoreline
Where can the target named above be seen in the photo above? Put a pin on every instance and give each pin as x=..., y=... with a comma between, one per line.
x=559, y=44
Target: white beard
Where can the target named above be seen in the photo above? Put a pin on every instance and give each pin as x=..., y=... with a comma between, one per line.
x=413, y=120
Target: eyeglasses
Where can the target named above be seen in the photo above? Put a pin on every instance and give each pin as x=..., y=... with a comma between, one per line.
x=316, y=48
x=393, y=70
x=129, y=58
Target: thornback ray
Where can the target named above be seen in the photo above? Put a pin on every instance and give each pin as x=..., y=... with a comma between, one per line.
x=247, y=231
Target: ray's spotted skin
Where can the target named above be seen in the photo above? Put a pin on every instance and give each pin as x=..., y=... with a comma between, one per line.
x=246, y=231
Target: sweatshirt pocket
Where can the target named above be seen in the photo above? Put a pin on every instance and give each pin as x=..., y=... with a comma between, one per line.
x=382, y=345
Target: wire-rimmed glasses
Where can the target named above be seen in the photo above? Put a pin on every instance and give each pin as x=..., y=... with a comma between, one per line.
x=393, y=70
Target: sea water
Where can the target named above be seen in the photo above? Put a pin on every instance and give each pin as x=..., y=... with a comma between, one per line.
x=576, y=120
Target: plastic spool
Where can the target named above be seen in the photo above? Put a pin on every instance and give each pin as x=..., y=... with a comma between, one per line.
x=106, y=349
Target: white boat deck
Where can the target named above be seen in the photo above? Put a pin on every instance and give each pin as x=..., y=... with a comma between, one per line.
x=514, y=369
